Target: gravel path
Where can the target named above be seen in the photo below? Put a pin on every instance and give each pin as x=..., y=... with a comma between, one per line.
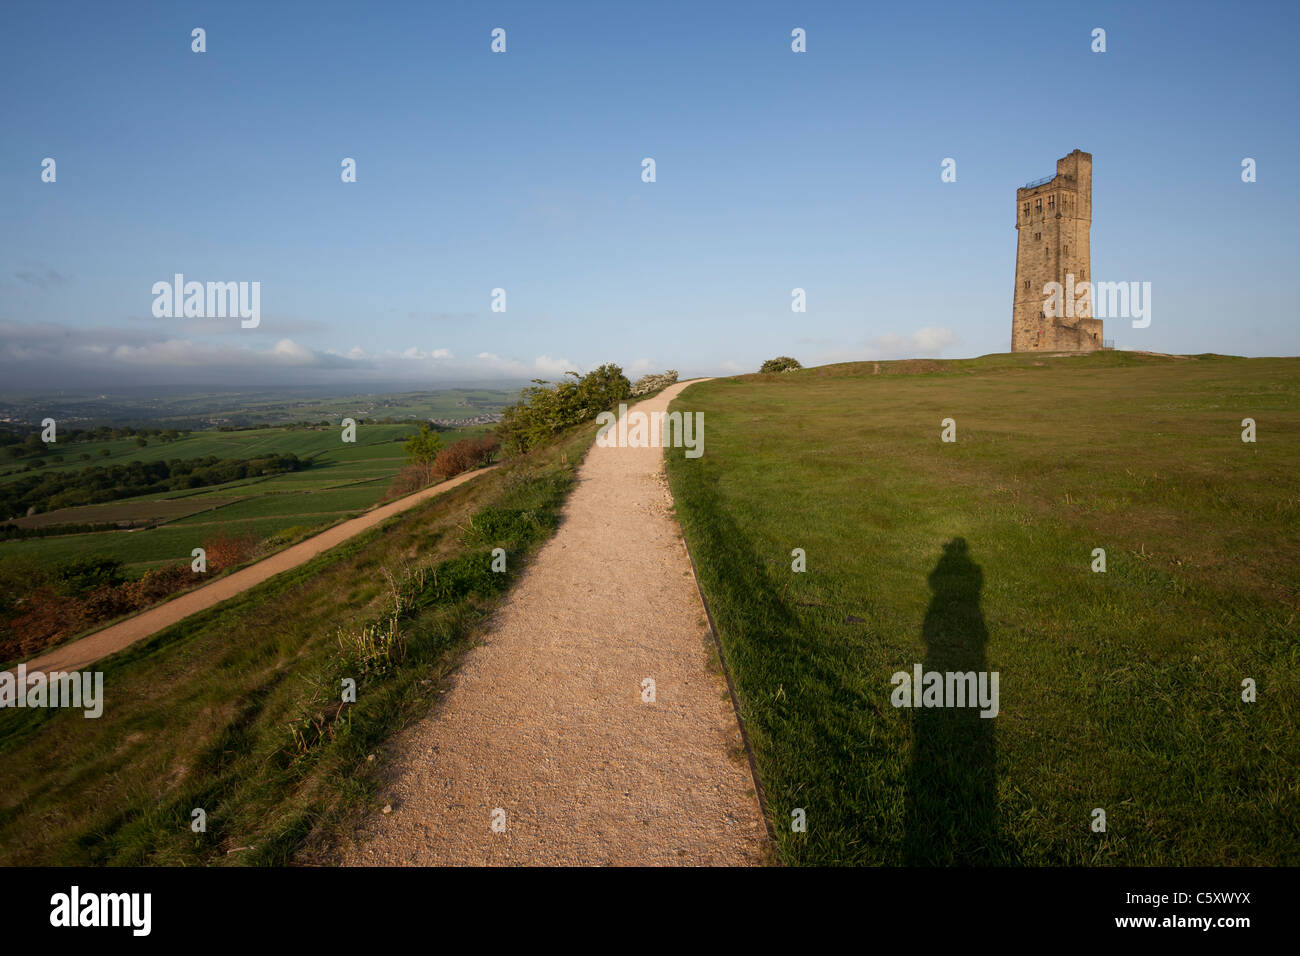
x=546, y=721
x=85, y=651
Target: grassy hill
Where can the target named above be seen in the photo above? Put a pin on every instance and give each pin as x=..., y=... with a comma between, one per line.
x=1119, y=690
x=238, y=711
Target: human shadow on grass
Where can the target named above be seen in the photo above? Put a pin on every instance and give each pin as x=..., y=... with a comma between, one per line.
x=951, y=811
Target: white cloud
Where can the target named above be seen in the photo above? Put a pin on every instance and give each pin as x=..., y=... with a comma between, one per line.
x=543, y=365
x=933, y=340
x=33, y=354
x=927, y=342
x=189, y=354
x=550, y=366
x=414, y=352
x=293, y=353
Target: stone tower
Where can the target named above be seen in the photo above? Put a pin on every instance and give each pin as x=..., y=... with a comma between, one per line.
x=1053, y=219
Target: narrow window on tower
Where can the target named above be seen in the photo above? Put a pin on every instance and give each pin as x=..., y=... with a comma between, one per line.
x=1051, y=202
x=1038, y=205
x=1026, y=210
x=1037, y=236
x=1065, y=250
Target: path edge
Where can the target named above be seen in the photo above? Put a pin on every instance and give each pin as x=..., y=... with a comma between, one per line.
x=726, y=673
x=423, y=493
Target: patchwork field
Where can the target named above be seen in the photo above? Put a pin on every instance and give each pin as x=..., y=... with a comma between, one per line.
x=152, y=510
x=342, y=480
x=1120, y=691
x=177, y=407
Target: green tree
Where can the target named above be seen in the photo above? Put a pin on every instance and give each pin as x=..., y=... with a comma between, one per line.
x=600, y=389
x=423, y=448
x=85, y=574
x=544, y=410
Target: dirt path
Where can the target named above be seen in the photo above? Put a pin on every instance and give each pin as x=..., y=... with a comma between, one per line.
x=84, y=652
x=546, y=720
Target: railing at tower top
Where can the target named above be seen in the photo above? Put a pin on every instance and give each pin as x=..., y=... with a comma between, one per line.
x=1038, y=182
x=1108, y=343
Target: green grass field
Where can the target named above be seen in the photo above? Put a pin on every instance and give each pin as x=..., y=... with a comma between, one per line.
x=134, y=510
x=1119, y=690
x=305, y=443
x=344, y=479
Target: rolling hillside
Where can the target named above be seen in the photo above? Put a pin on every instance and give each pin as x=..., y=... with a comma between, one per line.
x=1119, y=691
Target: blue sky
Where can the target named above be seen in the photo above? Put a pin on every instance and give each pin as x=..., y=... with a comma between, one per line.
x=522, y=171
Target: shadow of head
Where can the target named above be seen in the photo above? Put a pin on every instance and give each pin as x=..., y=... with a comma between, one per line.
x=956, y=576
x=954, y=627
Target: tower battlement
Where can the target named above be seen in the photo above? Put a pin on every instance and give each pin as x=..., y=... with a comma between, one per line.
x=1053, y=226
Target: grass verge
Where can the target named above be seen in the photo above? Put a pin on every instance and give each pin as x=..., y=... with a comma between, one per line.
x=1119, y=691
